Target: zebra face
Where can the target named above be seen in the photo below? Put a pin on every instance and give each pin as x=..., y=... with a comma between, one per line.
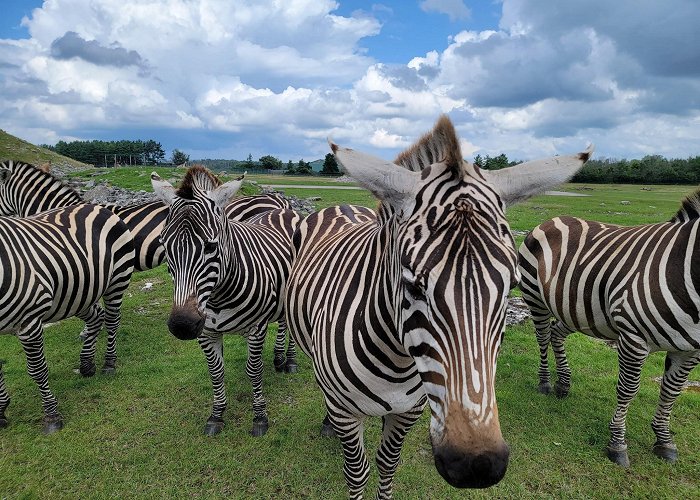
x=191, y=241
x=458, y=262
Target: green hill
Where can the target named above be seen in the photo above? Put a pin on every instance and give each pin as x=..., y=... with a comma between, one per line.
x=14, y=148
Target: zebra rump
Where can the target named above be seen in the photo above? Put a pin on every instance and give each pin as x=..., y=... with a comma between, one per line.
x=638, y=286
x=56, y=265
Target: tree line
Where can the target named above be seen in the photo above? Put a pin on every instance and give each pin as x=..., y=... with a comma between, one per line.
x=111, y=153
x=652, y=169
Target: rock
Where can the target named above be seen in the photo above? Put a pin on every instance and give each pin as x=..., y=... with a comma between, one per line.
x=516, y=311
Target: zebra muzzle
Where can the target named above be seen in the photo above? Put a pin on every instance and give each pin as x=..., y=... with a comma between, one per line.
x=186, y=323
x=467, y=470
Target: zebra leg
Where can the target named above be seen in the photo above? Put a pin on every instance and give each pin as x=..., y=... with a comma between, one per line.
x=563, y=383
x=543, y=332
x=86, y=329
x=32, y=339
x=327, y=428
x=254, y=370
x=113, y=317
x=290, y=365
x=93, y=318
x=213, y=347
x=631, y=352
x=350, y=431
x=4, y=398
x=394, y=430
x=678, y=366
x=280, y=358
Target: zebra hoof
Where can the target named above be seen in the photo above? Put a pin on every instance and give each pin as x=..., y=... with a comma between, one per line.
x=667, y=452
x=561, y=391
x=327, y=430
x=544, y=388
x=213, y=426
x=260, y=426
x=291, y=366
x=3, y=422
x=53, y=423
x=618, y=455
x=109, y=370
x=88, y=369
x=279, y=364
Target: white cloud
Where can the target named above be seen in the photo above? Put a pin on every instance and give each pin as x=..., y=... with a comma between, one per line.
x=271, y=77
x=453, y=8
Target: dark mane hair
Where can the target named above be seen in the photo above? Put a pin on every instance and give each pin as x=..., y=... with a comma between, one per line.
x=690, y=208
x=439, y=145
x=197, y=178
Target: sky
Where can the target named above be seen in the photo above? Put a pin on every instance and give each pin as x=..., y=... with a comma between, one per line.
x=225, y=79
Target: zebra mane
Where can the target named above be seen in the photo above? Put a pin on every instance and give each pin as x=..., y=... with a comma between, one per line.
x=690, y=208
x=197, y=178
x=439, y=145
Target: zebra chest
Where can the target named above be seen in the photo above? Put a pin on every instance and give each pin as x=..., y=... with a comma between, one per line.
x=242, y=311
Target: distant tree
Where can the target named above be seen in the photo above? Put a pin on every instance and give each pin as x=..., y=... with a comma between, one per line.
x=496, y=163
x=291, y=169
x=249, y=163
x=304, y=168
x=179, y=157
x=270, y=162
x=330, y=165
x=479, y=161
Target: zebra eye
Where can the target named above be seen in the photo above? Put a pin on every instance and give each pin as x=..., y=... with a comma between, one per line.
x=419, y=350
x=413, y=289
x=211, y=246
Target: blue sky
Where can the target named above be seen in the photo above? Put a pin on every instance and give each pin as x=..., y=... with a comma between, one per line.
x=222, y=79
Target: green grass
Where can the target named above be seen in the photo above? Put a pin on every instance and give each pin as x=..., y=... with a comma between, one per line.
x=14, y=148
x=138, y=434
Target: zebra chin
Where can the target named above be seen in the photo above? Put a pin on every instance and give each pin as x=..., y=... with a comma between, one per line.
x=471, y=470
x=185, y=323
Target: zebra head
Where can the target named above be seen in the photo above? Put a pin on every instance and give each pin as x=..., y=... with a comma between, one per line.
x=194, y=242
x=454, y=264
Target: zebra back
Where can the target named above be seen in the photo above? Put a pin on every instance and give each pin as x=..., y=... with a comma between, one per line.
x=27, y=190
x=59, y=263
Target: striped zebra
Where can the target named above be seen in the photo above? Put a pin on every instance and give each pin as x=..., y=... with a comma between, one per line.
x=410, y=306
x=27, y=190
x=638, y=285
x=228, y=276
x=56, y=265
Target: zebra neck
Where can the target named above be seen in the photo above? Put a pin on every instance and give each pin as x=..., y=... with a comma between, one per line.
x=230, y=251
x=386, y=304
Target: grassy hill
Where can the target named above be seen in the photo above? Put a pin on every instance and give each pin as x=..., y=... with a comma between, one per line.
x=14, y=148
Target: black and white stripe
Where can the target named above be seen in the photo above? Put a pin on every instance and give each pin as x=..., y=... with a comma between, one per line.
x=409, y=307
x=56, y=265
x=27, y=190
x=228, y=276
x=637, y=285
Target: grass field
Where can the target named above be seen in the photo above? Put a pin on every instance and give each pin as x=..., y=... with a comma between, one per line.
x=138, y=434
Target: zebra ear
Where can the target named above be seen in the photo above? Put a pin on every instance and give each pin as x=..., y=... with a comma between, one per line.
x=4, y=174
x=387, y=181
x=223, y=195
x=522, y=181
x=164, y=190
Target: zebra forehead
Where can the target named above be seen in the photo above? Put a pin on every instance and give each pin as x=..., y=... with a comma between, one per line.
x=197, y=179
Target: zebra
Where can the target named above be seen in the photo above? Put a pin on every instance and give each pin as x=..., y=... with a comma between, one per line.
x=27, y=190
x=228, y=276
x=56, y=265
x=409, y=307
x=636, y=285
